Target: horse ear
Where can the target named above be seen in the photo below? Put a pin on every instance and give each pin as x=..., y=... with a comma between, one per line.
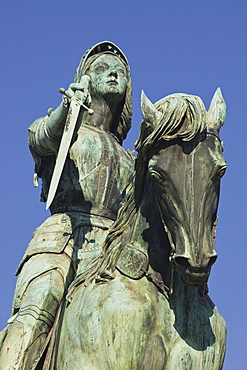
x=216, y=114
x=149, y=112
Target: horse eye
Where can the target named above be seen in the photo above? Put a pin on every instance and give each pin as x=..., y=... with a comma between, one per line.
x=155, y=176
x=221, y=172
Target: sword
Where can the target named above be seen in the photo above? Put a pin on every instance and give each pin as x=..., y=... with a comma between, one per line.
x=69, y=128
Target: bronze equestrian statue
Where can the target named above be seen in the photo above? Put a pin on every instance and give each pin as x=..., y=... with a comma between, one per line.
x=116, y=277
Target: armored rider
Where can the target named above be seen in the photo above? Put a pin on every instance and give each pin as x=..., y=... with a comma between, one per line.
x=90, y=191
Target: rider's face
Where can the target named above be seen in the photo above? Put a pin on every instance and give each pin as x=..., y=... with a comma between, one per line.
x=108, y=78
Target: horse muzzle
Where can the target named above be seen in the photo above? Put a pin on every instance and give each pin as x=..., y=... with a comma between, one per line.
x=193, y=274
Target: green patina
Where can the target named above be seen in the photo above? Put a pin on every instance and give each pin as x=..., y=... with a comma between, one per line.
x=116, y=277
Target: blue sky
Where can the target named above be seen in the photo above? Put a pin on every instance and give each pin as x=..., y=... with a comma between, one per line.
x=190, y=46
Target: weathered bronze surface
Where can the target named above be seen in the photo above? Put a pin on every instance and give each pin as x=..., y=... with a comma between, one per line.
x=165, y=319
x=101, y=289
x=90, y=191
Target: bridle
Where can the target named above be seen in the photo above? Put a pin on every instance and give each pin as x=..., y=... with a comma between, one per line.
x=156, y=177
x=211, y=131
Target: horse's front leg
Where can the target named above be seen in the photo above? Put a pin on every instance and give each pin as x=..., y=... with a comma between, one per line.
x=111, y=326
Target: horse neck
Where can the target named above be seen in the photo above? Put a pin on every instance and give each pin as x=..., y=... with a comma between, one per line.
x=148, y=233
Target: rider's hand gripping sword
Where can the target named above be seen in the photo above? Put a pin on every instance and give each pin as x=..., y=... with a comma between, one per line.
x=69, y=128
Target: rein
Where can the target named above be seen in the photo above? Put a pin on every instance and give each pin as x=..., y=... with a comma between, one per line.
x=159, y=283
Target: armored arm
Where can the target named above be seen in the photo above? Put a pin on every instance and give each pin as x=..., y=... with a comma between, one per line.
x=44, y=135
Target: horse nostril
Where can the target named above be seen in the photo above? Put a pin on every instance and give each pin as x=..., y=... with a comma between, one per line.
x=203, y=267
x=212, y=260
x=182, y=261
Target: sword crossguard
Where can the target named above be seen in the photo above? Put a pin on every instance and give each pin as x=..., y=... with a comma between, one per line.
x=63, y=91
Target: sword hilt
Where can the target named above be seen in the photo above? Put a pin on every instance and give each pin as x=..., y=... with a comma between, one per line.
x=63, y=91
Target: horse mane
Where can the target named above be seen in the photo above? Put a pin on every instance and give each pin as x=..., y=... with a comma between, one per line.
x=183, y=116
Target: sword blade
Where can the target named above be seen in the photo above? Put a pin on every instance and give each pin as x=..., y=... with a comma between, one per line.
x=69, y=128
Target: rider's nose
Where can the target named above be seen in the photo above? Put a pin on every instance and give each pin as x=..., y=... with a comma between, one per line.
x=113, y=73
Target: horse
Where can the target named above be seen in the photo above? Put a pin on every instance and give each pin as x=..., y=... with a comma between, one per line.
x=144, y=303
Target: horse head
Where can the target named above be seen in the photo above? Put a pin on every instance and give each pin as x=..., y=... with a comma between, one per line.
x=180, y=142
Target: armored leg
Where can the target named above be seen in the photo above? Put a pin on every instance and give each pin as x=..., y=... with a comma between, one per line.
x=34, y=311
